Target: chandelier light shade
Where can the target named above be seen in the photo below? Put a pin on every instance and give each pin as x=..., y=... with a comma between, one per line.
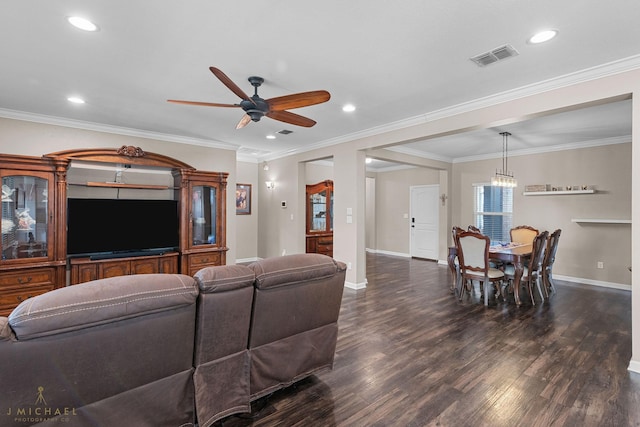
x=504, y=177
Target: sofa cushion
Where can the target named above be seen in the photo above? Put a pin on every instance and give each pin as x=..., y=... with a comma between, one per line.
x=292, y=269
x=101, y=301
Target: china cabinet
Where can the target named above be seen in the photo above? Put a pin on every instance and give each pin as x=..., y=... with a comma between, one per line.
x=29, y=264
x=34, y=220
x=202, y=234
x=319, y=232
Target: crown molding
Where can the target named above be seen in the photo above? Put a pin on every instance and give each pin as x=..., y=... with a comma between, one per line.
x=593, y=73
x=418, y=153
x=117, y=130
x=604, y=70
x=548, y=149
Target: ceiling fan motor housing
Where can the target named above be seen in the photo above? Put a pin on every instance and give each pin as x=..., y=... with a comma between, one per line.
x=256, y=109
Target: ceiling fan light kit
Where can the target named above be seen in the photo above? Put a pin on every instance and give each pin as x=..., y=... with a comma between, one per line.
x=256, y=107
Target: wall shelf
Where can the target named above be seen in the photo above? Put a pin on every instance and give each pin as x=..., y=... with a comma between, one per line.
x=601, y=221
x=557, y=193
x=123, y=185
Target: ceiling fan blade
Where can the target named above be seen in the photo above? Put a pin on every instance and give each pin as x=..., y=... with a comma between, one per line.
x=298, y=100
x=202, y=104
x=229, y=83
x=288, y=117
x=243, y=121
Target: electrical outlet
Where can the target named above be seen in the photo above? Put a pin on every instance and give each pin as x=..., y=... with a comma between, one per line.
x=348, y=266
x=600, y=264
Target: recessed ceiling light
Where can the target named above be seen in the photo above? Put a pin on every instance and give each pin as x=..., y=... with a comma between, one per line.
x=543, y=36
x=348, y=108
x=271, y=137
x=82, y=23
x=368, y=160
x=75, y=100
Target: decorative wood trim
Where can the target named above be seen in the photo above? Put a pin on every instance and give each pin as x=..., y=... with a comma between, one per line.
x=125, y=155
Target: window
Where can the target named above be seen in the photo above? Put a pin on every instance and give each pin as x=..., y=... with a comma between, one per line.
x=493, y=210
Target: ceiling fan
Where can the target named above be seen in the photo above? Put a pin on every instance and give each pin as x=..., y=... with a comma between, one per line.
x=256, y=107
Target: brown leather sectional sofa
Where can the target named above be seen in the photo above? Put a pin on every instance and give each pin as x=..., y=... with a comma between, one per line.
x=168, y=350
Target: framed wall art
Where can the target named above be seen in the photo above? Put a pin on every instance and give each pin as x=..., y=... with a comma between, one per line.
x=243, y=199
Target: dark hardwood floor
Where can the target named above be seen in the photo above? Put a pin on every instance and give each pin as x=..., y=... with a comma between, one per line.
x=410, y=354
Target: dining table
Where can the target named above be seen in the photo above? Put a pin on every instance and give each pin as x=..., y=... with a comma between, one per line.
x=516, y=254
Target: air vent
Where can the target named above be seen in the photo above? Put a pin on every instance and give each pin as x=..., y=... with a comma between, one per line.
x=495, y=55
x=285, y=131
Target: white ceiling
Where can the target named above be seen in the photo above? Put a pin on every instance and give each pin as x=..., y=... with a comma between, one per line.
x=395, y=61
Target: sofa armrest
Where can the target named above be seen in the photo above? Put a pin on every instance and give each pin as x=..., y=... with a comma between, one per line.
x=99, y=302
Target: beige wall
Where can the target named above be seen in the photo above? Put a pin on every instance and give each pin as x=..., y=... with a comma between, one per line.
x=246, y=243
x=315, y=173
x=393, y=202
x=581, y=246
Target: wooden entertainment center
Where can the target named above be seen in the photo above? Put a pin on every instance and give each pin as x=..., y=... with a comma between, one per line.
x=34, y=220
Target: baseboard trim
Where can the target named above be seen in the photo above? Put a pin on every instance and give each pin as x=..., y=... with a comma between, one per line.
x=634, y=366
x=591, y=282
x=356, y=286
x=579, y=280
x=378, y=251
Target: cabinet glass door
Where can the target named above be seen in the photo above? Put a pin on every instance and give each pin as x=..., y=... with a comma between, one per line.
x=318, y=206
x=25, y=217
x=203, y=213
x=331, y=212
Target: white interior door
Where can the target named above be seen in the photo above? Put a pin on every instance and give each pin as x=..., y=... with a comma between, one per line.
x=424, y=221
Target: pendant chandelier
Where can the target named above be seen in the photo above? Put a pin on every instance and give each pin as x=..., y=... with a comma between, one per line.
x=504, y=177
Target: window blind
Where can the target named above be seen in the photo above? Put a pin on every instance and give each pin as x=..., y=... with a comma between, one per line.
x=493, y=211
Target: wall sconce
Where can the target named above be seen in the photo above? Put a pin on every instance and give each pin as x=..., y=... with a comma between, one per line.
x=443, y=198
x=265, y=166
x=270, y=185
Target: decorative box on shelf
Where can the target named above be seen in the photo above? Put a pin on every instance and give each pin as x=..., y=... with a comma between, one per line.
x=535, y=188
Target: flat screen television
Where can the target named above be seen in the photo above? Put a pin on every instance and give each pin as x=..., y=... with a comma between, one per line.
x=121, y=227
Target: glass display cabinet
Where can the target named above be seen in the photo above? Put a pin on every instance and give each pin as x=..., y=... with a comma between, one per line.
x=320, y=218
x=203, y=228
x=28, y=266
x=203, y=242
x=25, y=217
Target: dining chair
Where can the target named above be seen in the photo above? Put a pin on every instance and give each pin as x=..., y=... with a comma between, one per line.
x=523, y=234
x=455, y=230
x=532, y=273
x=473, y=254
x=548, y=260
x=492, y=263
